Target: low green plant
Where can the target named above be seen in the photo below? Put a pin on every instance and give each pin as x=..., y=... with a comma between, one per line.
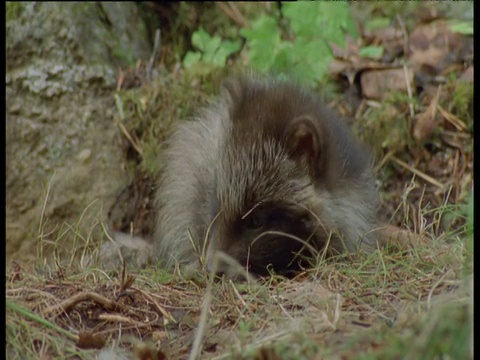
x=469, y=213
x=373, y=52
x=461, y=101
x=462, y=27
x=297, y=44
x=212, y=52
x=302, y=49
x=378, y=23
x=13, y=10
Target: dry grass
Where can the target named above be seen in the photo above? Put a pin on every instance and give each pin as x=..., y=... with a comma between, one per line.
x=389, y=304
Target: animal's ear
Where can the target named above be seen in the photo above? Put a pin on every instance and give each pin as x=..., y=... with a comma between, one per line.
x=305, y=143
x=233, y=89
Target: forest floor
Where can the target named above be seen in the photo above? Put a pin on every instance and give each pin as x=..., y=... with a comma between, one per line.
x=410, y=303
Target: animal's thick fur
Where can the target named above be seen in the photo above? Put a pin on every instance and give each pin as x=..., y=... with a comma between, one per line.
x=267, y=155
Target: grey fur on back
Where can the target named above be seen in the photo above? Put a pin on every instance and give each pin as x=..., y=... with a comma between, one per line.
x=186, y=183
x=236, y=149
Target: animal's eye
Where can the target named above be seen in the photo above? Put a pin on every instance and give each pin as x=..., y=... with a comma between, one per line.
x=256, y=221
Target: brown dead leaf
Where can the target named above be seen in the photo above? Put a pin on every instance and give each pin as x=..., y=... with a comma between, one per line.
x=467, y=75
x=266, y=353
x=90, y=341
x=147, y=351
x=394, y=236
x=424, y=126
x=350, y=50
x=454, y=138
x=426, y=121
x=452, y=119
x=434, y=46
x=133, y=77
x=391, y=38
x=376, y=84
x=348, y=62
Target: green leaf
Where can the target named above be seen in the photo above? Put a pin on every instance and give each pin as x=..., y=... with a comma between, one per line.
x=211, y=48
x=261, y=59
x=325, y=19
x=468, y=210
x=230, y=46
x=191, y=58
x=373, y=52
x=304, y=51
x=224, y=51
x=263, y=41
x=264, y=29
x=213, y=52
x=284, y=58
x=378, y=23
x=200, y=39
x=462, y=27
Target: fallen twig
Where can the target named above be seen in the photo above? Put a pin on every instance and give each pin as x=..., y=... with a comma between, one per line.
x=78, y=298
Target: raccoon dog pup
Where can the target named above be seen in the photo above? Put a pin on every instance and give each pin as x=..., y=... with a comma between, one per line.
x=266, y=174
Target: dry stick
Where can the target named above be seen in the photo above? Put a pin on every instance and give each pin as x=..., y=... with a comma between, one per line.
x=119, y=318
x=405, y=34
x=464, y=164
x=437, y=97
x=120, y=78
x=119, y=105
x=232, y=12
x=405, y=51
x=129, y=137
x=421, y=226
x=162, y=310
x=83, y=296
x=387, y=157
x=237, y=13
x=283, y=308
x=338, y=308
x=452, y=119
x=360, y=109
x=428, y=114
x=418, y=172
x=128, y=280
x=237, y=293
x=156, y=53
x=407, y=210
x=131, y=324
x=374, y=104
